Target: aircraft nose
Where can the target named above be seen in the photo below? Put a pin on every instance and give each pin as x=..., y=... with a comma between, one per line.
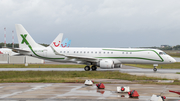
x=172, y=60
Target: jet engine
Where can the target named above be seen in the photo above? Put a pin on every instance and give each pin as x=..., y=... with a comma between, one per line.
x=106, y=64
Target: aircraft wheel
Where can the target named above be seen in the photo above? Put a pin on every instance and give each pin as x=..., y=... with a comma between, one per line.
x=93, y=68
x=154, y=69
x=86, y=68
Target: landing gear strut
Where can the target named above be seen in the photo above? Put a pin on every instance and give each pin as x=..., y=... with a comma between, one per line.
x=93, y=68
x=155, y=69
x=86, y=68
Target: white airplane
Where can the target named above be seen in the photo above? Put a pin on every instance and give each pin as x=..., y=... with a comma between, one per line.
x=105, y=58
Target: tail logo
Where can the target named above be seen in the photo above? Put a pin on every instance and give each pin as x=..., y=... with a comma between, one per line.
x=1, y=52
x=64, y=45
x=57, y=44
x=24, y=39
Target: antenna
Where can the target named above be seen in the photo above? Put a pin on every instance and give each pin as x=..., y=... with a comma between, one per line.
x=13, y=39
x=5, y=37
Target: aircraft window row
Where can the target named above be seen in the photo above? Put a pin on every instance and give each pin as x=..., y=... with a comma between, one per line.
x=64, y=51
x=94, y=52
x=87, y=52
x=126, y=52
x=161, y=53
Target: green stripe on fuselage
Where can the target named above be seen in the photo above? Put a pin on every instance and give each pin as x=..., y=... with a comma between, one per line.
x=132, y=57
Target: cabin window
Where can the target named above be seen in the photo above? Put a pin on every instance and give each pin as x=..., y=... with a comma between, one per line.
x=99, y=52
x=64, y=51
x=81, y=52
x=74, y=51
x=126, y=52
x=122, y=52
x=67, y=51
x=96, y=52
x=104, y=52
x=111, y=52
x=77, y=51
x=88, y=52
x=84, y=51
x=60, y=51
x=107, y=52
x=92, y=52
x=130, y=52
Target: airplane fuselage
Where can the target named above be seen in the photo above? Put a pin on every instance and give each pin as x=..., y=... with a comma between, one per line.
x=121, y=55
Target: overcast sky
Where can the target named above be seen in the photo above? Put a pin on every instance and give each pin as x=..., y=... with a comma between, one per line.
x=95, y=23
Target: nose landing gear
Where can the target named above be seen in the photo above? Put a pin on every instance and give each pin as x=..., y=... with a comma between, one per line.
x=155, y=69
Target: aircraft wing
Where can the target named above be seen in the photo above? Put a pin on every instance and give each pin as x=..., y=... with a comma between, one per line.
x=80, y=58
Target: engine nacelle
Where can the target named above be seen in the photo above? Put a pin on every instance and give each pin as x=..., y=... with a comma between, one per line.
x=106, y=64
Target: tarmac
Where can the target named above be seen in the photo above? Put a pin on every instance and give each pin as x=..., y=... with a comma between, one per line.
x=161, y=73
x=80, y=92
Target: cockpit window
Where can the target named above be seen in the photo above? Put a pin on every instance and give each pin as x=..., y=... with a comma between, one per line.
x=162, y=53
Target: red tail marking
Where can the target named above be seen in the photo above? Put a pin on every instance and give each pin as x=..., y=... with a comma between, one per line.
x=57, y=44
x=1, y=52
x=64, y=45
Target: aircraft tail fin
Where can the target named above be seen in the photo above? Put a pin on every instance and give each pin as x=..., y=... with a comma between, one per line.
x=24, y=39
x=64, y=43
x=57, y=41
x=69, y=43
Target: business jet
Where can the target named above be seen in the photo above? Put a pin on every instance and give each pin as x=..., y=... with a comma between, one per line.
x=104, y=58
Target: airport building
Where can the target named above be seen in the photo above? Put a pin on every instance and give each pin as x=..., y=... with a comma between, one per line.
x=7, y=59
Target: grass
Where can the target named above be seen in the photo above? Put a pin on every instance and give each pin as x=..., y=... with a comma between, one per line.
x=65, y=76
x=160, y=66
x=41, y=66
x=173, y=53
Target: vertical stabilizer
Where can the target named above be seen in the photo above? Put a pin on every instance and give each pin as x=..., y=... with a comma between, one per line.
x=64, y=43
x=24, y=39
x=57, y=41
x=69, y=43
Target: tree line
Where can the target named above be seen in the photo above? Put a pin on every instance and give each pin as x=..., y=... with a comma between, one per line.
x=16, y=45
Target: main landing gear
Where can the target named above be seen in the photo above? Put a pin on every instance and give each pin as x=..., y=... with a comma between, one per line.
x=87, y=68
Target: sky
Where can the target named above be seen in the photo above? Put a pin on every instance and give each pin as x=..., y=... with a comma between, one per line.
x=95, y=23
